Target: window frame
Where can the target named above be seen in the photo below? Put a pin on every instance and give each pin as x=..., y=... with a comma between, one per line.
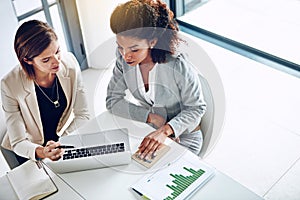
x=250, y=52
x=70, y=23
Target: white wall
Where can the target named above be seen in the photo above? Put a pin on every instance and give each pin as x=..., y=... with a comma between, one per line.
x=94, y=18
x=9, y=25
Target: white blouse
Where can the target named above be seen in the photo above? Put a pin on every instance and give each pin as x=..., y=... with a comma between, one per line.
x=149, y=96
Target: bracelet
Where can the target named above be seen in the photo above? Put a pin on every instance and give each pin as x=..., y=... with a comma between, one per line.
x=38, y=159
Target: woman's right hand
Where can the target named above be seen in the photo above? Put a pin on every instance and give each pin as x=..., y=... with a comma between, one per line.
x=50, y=151
x=156, y=119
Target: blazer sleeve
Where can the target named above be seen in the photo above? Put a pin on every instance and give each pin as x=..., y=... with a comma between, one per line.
x=19, y=139
x=80, y=105
x=192, y=99
x=115, y=100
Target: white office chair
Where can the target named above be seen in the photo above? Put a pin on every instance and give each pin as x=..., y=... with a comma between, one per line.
x=213, y=119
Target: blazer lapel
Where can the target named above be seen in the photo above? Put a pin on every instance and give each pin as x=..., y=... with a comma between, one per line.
x=31, y=101
x=65, y=81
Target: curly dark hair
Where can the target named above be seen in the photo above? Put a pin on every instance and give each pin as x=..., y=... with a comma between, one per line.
x=147, y=19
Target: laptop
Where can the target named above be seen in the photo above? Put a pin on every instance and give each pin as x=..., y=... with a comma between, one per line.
x=93, y=150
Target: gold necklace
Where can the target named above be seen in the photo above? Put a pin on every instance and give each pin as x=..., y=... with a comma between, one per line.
x=56, y=102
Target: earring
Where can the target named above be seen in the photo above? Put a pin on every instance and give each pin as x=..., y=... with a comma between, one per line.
x=151, y=47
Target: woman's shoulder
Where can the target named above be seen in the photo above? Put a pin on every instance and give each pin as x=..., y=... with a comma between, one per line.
x=14, y=74
x=178, y=61
x=177, y=57
x=69, y=63
x=15, y=81
x=69, y=59
x=180, y=65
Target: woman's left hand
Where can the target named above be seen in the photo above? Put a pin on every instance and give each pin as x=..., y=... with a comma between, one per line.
x=153, y=141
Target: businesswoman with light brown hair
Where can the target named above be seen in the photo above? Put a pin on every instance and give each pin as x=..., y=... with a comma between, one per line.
x=40, y=94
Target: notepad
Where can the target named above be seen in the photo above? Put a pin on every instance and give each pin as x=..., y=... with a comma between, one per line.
x=153, y=158
x=30, y=181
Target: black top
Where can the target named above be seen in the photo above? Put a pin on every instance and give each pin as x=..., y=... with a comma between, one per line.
x=50, y=115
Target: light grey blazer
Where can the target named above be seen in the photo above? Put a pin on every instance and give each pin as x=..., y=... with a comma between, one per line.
x=177, y=90
x=19, y=102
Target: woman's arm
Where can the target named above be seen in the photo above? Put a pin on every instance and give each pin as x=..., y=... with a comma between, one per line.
x=192, y=109
x=16, y=129
x=192, y=99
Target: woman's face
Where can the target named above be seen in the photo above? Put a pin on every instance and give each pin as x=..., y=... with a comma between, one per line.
x=48, y=61
x=134, y=50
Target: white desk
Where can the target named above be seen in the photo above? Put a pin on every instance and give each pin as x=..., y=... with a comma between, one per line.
x=115, y=182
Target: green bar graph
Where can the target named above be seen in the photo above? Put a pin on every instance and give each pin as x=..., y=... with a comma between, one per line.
x=180, y=182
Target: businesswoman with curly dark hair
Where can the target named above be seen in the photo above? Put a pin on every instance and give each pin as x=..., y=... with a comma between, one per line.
x=161, y=79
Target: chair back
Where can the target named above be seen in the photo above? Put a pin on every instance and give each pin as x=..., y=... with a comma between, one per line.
x=213, y=91
x=2, y=124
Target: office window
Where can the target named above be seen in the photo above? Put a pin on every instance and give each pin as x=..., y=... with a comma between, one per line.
x=57, y=23
x=265, y=30
x=51, y=1
x=189, y=5
x=62, y=16
x=38, y=15
x=44, y=11
x=24, y=6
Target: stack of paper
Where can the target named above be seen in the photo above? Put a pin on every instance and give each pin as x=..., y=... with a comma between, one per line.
x=177, y=180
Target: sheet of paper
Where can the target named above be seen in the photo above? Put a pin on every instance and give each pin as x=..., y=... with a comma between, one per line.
x=178, y=180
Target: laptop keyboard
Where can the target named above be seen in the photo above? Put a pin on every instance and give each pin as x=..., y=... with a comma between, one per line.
x=93, y=151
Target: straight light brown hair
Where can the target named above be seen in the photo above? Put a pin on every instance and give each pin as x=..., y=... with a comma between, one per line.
x=31, y=39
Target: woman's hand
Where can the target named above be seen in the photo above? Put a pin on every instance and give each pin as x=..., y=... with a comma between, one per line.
x=50, y=151
x=153, y=141
x=156, y=119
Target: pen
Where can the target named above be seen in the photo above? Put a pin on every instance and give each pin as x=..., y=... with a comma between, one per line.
x=64, y=147
x=143, y=196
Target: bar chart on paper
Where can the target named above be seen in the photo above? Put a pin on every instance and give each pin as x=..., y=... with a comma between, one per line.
x=176, y=181
x=181, y=182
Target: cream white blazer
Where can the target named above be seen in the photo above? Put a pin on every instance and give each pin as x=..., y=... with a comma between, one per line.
x=19, y=102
